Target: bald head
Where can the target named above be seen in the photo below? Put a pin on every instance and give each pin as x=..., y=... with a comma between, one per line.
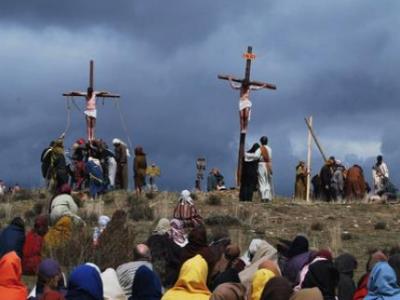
x=141, y=252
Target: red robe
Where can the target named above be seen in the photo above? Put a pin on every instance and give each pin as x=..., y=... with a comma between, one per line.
x=32, y=253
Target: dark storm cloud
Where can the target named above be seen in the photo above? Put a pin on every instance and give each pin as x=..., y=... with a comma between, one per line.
x=334, y=60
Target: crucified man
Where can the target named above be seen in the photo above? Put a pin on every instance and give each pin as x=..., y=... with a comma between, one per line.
x=90, y=111
x=244, y=101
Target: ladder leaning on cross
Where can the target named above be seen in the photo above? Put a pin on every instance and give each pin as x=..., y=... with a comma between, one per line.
x=245, y=85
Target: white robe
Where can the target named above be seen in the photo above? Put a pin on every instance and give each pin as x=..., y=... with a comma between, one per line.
x=112, y=170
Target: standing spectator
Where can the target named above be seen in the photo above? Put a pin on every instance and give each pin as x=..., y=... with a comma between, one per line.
x=355, y=186
x=338, y=182
x=139, y=169
x=2, y=188
x=301, y=181
x=121, y=157
x=325, y=176
x=12, y=238
x=248, y=181
x=380, y=174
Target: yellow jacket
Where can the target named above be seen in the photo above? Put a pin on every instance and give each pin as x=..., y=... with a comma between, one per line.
x=260, y=279
x=192, y=281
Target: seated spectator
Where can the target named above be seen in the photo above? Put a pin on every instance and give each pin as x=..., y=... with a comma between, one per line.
x=383, y=283
x=146, y=285
x=278, y=288
x=63, y=205
x=58, y=235
x=192, y=281
x=215, y=181
x=85, y=283
x=260, y=279
x=111, y=287
x=50, y=282
x=224, y=270
x=12, y=238
x=11, y=286
x=165, y=253
x=307, y=294
x=186, y=212
x=126, y=272
x=178, y=233
x=33, y=246
x=346, y=264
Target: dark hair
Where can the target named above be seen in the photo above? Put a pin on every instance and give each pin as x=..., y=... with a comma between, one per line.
x=254, y=148
x=17, y=221
x=379, y=158
x=264, y=140
x=89, y=90
x=139, y=150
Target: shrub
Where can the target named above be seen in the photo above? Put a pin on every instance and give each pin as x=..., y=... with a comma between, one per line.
x=223, y=220
x=140, y=209
x=380, y=225
x=213, y=199
x=317, y=226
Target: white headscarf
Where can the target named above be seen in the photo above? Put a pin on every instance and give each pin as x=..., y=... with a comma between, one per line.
x=185, y=197
x=120, y=142
x=103, y=221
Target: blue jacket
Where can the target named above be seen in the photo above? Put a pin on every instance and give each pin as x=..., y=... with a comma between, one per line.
x=12, y=238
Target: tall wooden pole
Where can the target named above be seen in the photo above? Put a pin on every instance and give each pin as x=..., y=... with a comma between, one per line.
x=316, y=140
x=91, y=75
x=309, y=145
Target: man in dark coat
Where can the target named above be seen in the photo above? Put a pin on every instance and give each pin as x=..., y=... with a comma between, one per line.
x=326, y=179
x=12, y=238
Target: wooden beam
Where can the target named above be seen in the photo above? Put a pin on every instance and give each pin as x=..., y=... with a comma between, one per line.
x=91, y=74
x=257, y=83
x=316, y=140
x=309, y=145
x=248, y=64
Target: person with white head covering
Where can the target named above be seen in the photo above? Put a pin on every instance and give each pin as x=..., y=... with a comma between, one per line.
x=186, y=211
x=102, y=224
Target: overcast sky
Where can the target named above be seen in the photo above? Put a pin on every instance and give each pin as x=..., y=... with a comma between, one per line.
x=336, y=60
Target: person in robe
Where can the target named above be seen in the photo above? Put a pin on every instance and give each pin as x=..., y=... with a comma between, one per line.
x=57, y=236
x=383, y=283
x=11, y=286
x=337, y=183
x=98, y=230
x=224, y=270
x=33, y=246
x=380, y=175
x=58, y=171
x=346, y=264
x=85, y=283
x=97, y=182
x=264, y=157
x=307, y=294
x=165, y=253
x=355, y=187
x=50, y=283
x=121, y=157
x=111, y=287
x=260, y=279
x=146, y=285
x=249, y=179
x=12, y=238
x=192, y=281
x=301, y=181
x=139, y=169
x=63, y=205
x=178, y=233
x=325, y=176
x=126, y=272
x=186, y=211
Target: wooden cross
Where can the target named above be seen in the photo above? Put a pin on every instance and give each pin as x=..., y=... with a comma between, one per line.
x=103, y=94
x=249, y=56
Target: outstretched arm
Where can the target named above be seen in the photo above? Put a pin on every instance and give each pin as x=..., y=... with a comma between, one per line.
x=75, y=93
x=234, y=85
x=257, y=87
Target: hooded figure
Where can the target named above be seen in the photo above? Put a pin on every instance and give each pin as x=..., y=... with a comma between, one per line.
x=85, y=284
x=260, y=279
x=165, y=253
x=12, y=238
x=186, y=212
x=58, y=235
x=33, y=246
x=382, y=283
x=308, y=294
x=229, y=291
x=112, y=288
x=139, y=169
x=192, y=281
x=346, y=264
x=11, y=286
x=121, y=157
x=278, y=288
x=146, y=285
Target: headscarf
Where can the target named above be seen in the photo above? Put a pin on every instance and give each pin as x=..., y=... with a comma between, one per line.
x=146, y=285
x=41, y=225
x=103, y=221
x=112, y=288
x=178, y=233
x=11, y=286
x=298, y=246
x=162, y=227
x=382, y=283
x=198, y=245
x=394, y=262
x=85, y=283
x=48, y=269
x=59, y=233
x=120, y=142
x=378, y=256
x=185, y=197
x=192, y=281
x=346, y=263
x=278, y=288
x=229, y=291
x=260, y=279
x=308, y=294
